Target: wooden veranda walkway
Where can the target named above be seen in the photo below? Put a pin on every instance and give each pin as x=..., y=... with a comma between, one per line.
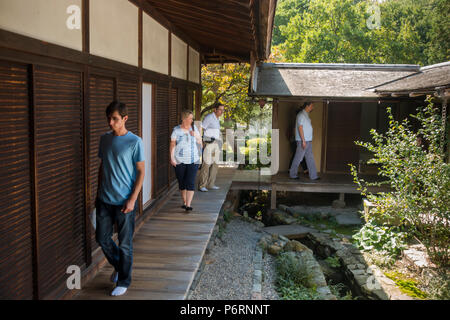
x=328, y=183
x=168, y=248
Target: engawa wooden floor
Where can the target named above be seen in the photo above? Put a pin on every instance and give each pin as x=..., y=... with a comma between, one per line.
x=168, y=248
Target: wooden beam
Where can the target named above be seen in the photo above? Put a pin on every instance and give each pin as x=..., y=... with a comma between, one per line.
x=275, y=105
x=204, y=11
x=215, y=8
x=216, y=41
x=243, y=4
x=218, y=53
x=254, y=17
x=34, y=185
x=224, y=28
x=323, y=157
x=273, y=197
x=396, y=95
x=416, y=94
x=86, y=165
x=187, y=63
x=85, y=31
x=23, y=43
x=140, y=34
x=154, y=148
x=198, y=104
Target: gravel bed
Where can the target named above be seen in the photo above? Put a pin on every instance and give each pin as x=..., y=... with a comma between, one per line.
x=228, y=266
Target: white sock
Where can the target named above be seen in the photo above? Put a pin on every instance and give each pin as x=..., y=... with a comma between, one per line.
x=118, y=291
x=115, y=277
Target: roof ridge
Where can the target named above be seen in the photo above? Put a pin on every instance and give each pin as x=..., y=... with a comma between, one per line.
x=437, y=65
x=344, y=66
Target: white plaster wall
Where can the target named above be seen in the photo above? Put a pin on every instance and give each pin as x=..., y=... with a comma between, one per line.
x=194, y=66
x=42, y=19
x=155, y=46
x=114, y=30
x=179, y=58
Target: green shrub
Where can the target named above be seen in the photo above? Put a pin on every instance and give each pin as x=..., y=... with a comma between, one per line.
x=227, y=215
x=333, y=261
x=419, y=178
x=336, y=291
x=380, y=238
x=290, y=268
x=288, y=290
x=293, y=279
x=438, y=287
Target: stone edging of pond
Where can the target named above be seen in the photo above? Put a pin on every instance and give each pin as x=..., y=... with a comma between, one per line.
x=257, y=274
x=370, y=281
x=275, y=244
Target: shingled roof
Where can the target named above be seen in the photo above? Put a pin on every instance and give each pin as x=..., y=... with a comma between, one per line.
x=427, y=80
x=318, y=80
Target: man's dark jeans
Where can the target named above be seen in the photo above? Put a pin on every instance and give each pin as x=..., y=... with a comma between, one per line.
x=121, y=257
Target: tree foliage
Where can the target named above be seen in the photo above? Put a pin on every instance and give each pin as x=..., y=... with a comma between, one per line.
x=228, y=84
x=333, y=31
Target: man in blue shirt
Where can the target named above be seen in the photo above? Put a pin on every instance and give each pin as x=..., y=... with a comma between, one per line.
x=121, y=175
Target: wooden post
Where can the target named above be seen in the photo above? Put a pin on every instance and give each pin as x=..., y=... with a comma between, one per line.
x=85, y=30
x=273, y=197
x=323, y=157
x=88, y=206
x=275, y=113
x=140, y=37
x=34, y=187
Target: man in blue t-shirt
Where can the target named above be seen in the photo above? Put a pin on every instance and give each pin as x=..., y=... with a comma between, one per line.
x=121, y=175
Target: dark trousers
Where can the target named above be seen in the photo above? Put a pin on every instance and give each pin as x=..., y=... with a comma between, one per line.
x=120, y=257
x=186, y=175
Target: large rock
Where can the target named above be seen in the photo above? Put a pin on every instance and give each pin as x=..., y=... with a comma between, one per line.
x=274, y=249
x=416, y=257
x=296, y=246
x=281, y=217
x=293, y=231
x=338, y=204
x=283, y=207
x=302, y=211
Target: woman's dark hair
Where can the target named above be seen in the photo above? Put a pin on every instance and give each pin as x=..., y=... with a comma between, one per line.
x=307, y=103
x=118, y=106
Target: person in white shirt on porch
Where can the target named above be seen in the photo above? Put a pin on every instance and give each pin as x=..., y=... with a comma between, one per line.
x=212, y=151
x=304, y=137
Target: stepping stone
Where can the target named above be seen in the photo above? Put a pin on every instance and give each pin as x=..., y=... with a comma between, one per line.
x=289, y=231
x=348, y=219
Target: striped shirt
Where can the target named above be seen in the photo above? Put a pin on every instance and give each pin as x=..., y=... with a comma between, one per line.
x=186, y=149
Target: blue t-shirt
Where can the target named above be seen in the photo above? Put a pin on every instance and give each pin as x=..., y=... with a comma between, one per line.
x=119, y=155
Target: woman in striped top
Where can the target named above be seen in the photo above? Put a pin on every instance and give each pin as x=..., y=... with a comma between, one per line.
x=185, y=150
